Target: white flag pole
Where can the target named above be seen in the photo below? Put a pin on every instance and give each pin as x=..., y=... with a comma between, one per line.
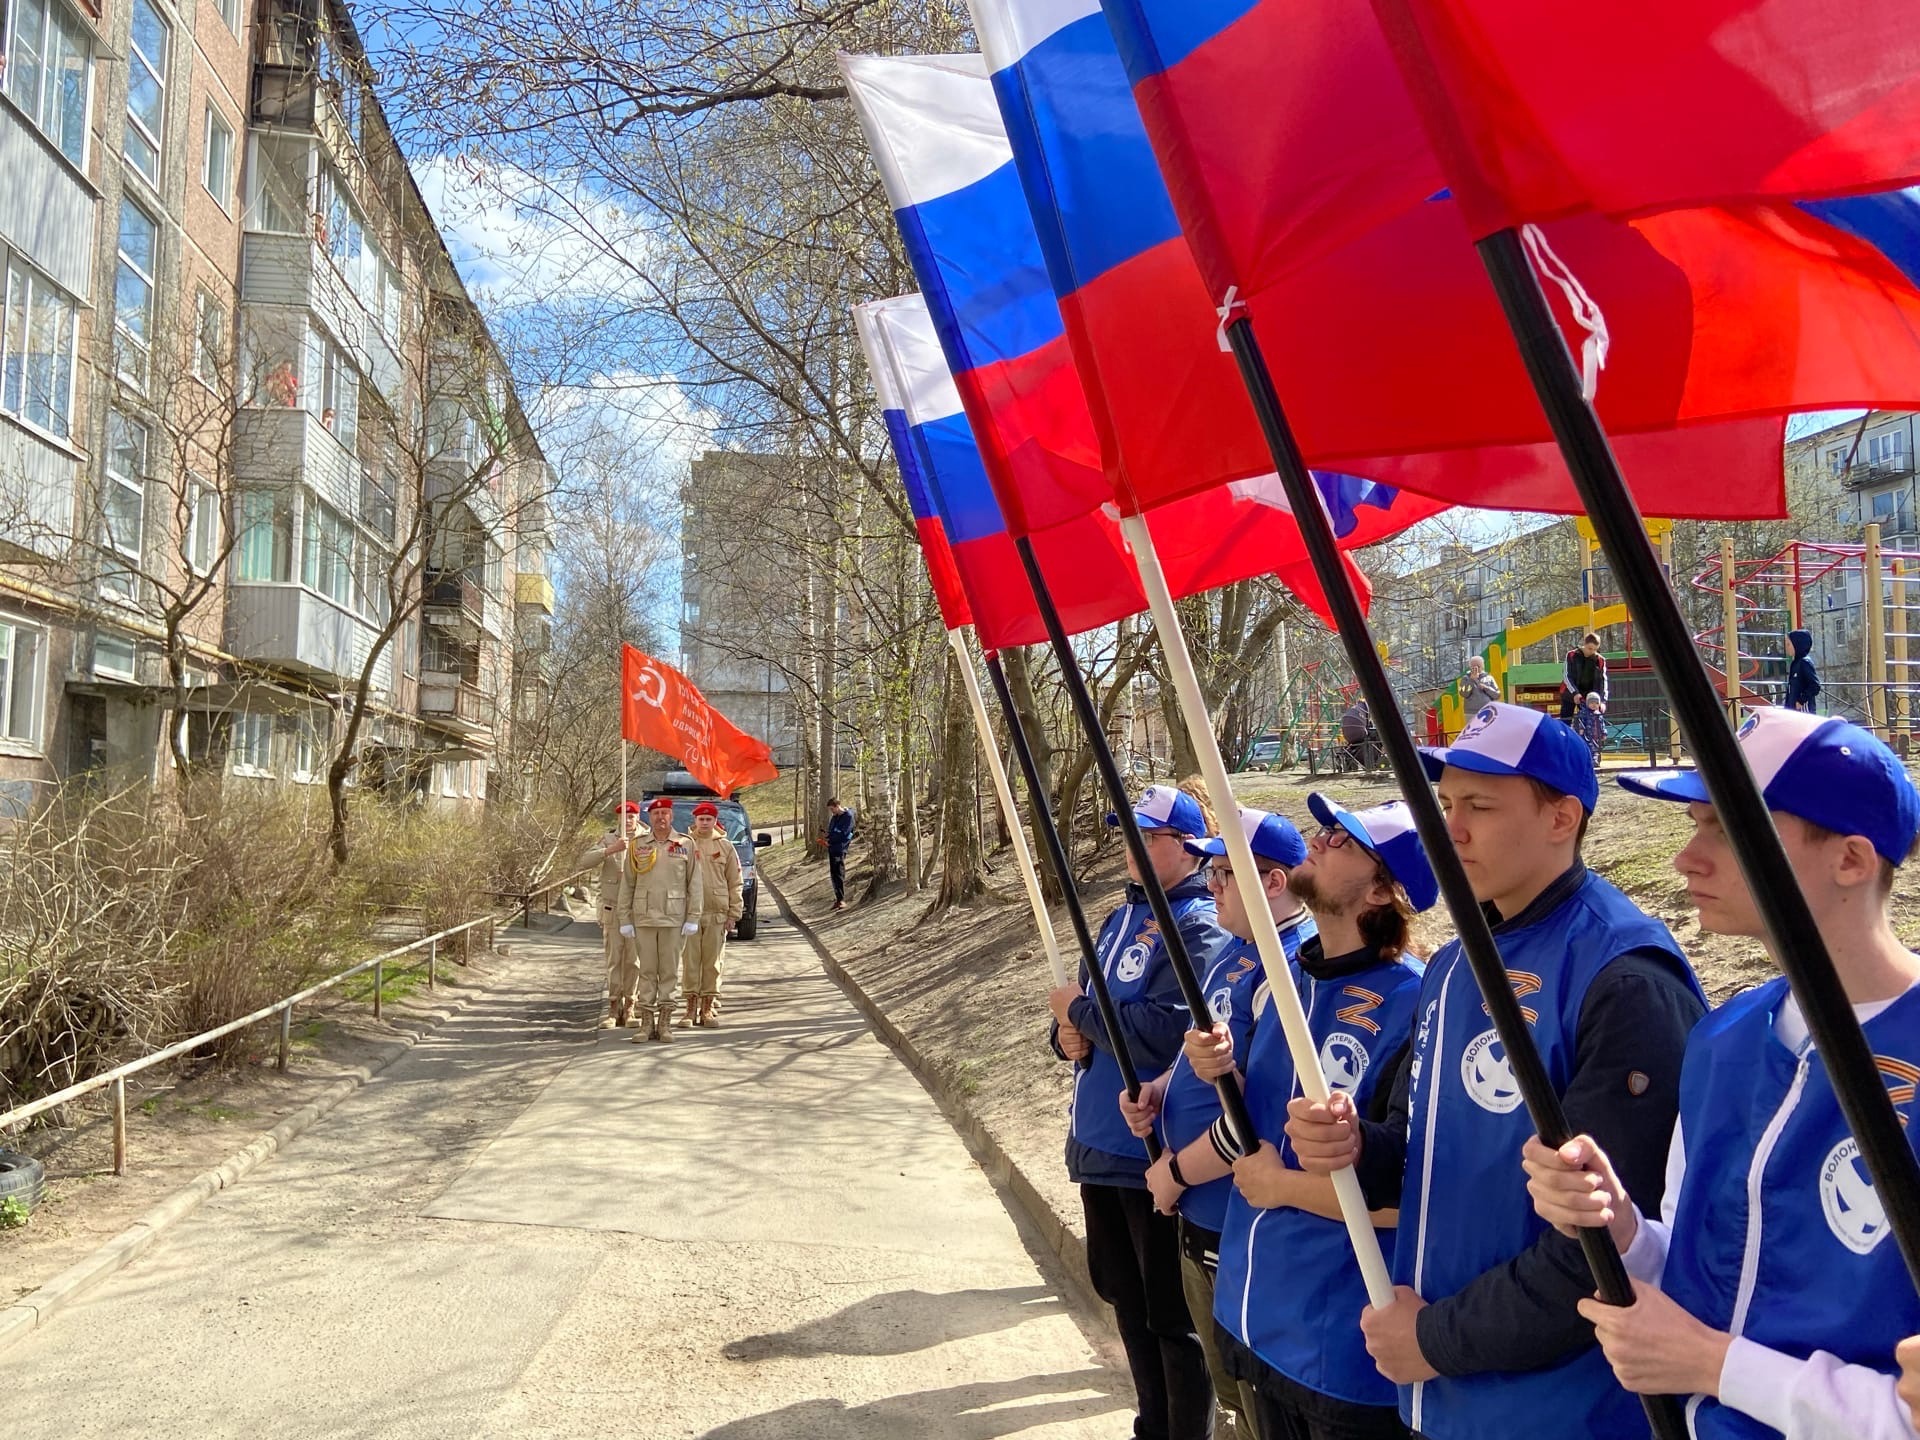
x=1042, y=921
x=1246, y=877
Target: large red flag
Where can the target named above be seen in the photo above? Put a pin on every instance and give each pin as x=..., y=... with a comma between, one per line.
x=663, y=710
x=1543, y=110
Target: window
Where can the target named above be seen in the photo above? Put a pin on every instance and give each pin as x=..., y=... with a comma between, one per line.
x=334, y=388
x=113, y=657
x=306, y=749
x=49, y=72
x=252, y=745
x=123, y=500
x=230, y=12
x=375, y=601
x=378, y=501
x=36, y=350
x=22, y=661
x=209, y=337
x=277, y=199
x=326, y=563
x=495, y=574
x=147, y=89
x=216, y=166
x=133, y=293
x=263, y=551
x=1888, y=448
x=1837, y=461
x=203, y=526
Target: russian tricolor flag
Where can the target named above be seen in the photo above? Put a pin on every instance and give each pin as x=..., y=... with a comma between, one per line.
x=1308, y=190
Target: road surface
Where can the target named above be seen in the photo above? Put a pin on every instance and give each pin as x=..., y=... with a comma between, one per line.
x=528, y=1227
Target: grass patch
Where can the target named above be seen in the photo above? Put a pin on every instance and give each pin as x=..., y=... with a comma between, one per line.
x=394, y=985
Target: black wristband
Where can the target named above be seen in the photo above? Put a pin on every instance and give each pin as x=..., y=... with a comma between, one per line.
x=1173, y=1169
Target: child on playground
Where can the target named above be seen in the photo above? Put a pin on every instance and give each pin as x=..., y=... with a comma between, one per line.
x=1766, y=1288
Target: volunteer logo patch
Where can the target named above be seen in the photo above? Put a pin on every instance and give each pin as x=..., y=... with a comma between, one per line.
x=1133, y=961
x=1220, y=1004
x=1853, y=1211
x=1488, y=1076
x=1345, y=1060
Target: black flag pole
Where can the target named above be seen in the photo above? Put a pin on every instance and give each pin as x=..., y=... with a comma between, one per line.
x=1233, y=1103
x=1057, y=852
x=1470, y=922
x=1795, y=938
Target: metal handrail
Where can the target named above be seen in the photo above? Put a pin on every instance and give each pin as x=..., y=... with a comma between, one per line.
x=117, y=1077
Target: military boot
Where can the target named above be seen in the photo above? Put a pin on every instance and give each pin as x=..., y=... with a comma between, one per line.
x=663, y=1026
x=709, y=1020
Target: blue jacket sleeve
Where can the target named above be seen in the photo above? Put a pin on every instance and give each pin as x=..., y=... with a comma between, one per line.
x=1155, y=1024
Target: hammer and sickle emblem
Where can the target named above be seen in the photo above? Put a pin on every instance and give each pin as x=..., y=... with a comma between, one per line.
x=650, y=687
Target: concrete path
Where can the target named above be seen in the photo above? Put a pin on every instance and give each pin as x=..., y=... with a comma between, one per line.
x=527, y=1227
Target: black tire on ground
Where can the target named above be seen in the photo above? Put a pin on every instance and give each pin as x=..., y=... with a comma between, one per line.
x=22, y=1178
x=749, y=922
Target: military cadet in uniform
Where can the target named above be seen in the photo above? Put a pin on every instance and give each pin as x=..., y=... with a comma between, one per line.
x=607, y=852
x=718, y=862
x=659, y=904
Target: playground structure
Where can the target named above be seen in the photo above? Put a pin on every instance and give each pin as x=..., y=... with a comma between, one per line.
x=1858, y=603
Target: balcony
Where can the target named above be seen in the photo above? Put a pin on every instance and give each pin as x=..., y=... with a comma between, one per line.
x=46, y=208
x=1863, y=474
x=296, y=270
x=278, y=445
x=455, y=703
x=37, y=480
x=533, y=590
x=454, y=590
x=291, y=627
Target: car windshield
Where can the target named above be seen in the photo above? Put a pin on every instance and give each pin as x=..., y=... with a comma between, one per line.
x=733, y=820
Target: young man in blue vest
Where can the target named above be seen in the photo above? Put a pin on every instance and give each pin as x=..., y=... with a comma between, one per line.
x=1485, y=1338
x=1133, y=1253
x=1769, y=1289
x=1183, y=1107
x=1289, y=1286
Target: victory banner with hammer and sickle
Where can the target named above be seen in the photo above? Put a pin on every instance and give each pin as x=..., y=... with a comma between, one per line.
x=663, y=710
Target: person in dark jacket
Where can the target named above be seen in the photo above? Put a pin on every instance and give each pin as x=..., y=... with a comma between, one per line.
x=1803, y=681
x=1361, y=735
x=1485, y=1336
x=1586, y=675
x=839, y=841
x=1133, y=1253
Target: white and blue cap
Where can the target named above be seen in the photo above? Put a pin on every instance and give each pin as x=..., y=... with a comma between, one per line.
x=1166, y=807
x=1826, y=770
x=1387, y=833
x=1506, y=739
x=1271, y=837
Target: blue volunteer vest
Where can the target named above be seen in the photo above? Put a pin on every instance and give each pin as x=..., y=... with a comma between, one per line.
x=1464, y=1208
x=1131, y=957
x=1816, y=1260
x=1289, y=1288
x=1191, y=1105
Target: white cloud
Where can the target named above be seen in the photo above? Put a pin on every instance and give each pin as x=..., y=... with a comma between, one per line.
x=651, y=420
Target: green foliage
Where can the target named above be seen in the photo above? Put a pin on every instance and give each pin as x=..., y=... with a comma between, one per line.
x=14, y=1213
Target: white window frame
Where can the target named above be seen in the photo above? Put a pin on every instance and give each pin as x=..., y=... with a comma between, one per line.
x=43, y=108
x=230, y=11
x=221, y=187
x=24, y=292
x=272, y=507
x=203, y=525
x=11, y=699
x=250, y=732
x=141, y=344
x=306, y=758
x=1887, y=445
x=139, y=61
x=115, y=672
x=209, y=337
x=134, y=485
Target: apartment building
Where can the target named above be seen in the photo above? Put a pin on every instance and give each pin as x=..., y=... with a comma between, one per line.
x=264, y=480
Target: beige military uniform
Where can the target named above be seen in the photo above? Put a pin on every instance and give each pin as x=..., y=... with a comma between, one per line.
x=659, y=892
x=719, y=866
x=622, y=975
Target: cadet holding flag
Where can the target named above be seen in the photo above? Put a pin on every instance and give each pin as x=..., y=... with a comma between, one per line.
x=1767, y=1286
x=660, y=904
x=718, y=864
x=608, y=853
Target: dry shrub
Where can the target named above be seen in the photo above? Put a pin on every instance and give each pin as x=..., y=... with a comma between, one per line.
x=130, y=920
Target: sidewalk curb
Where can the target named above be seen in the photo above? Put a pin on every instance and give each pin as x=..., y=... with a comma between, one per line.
x=1055, y=1229
x=34, y=1310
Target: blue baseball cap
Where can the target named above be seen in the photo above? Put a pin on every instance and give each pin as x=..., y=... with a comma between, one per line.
x=1272, y=837
x=1826, y=770
x=1166, y=807
x=1387, y=833
x=1506, y=739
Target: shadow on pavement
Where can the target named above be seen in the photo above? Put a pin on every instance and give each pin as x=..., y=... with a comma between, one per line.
x=987, y=1411
x=902, y=1322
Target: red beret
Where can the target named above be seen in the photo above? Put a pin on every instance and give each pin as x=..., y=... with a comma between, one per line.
x=627, y=807
x=706, y=807
x=660, y=802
